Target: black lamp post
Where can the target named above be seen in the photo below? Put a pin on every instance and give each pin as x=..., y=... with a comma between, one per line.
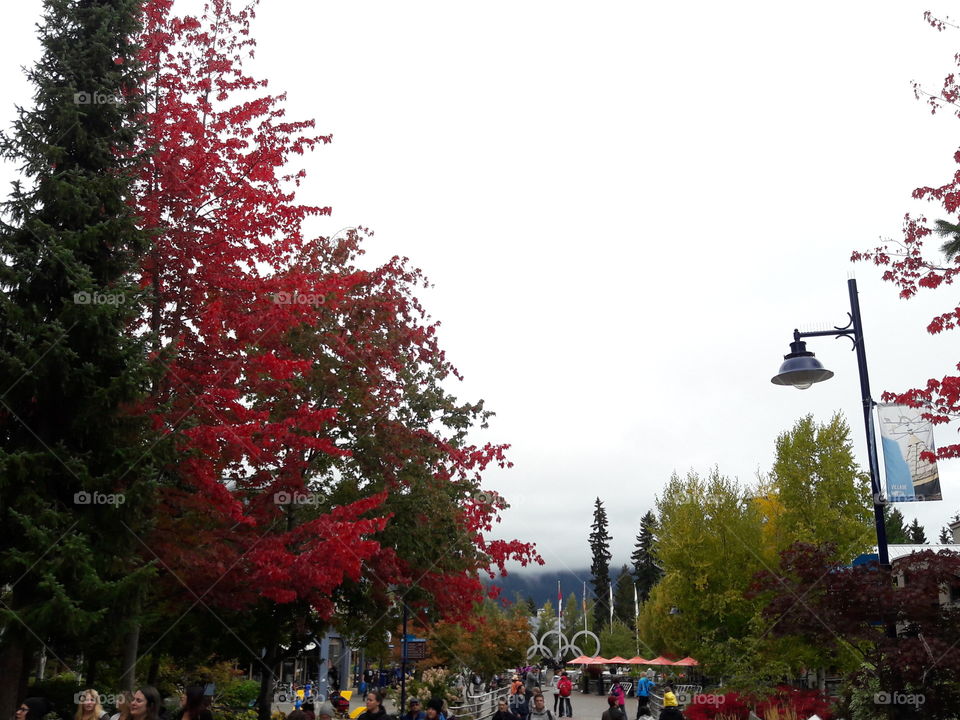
x=403, y=662
x=801, y=370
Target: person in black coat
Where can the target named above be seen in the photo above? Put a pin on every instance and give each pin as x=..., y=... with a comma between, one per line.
x=375, y=709
x=503, y=711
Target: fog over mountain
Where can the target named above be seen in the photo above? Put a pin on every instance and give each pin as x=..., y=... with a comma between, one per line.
x=541, y=584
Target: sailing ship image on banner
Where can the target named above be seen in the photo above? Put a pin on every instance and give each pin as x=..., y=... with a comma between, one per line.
x=905, y=435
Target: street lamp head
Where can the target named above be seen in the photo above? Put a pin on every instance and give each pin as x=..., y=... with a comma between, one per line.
x=800, y=368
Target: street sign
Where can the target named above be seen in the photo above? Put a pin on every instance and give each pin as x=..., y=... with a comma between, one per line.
x=416, y=649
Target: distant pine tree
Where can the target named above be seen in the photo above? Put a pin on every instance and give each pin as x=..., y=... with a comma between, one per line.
x=600, y=568
x=946, y=538
x=646, y=572
x=897, y=531
x=916, y=533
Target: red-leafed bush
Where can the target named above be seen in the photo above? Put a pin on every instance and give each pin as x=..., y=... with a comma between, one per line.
x=803, y=703
x=785, y=700
x=729, y=706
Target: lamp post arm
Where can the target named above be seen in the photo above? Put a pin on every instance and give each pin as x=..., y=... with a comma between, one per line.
x=837, y=332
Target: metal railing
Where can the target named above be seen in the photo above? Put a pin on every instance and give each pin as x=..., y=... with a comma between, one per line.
x=481, y=706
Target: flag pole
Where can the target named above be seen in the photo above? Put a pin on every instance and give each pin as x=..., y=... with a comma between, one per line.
x=610, y=588
x=636, y=618
x=559, y=622
x=584, y=601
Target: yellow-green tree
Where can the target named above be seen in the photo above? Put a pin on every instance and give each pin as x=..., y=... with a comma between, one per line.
x=816, y=493
x=709, y=546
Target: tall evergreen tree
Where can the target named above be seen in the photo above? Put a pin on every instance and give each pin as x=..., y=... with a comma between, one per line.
x=897, y=531
x=600, y=568
x=916, y=533
x=646, y=572
x=624, y=608
x=71, y=450
x=945, y=537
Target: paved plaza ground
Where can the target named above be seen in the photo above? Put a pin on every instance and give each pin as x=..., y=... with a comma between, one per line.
x=585, y=707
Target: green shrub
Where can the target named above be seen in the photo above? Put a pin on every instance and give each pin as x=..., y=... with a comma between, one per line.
x=239, y=693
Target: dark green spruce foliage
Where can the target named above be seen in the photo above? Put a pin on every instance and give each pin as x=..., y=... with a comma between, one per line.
x=600, y=567
x=646, y=572
x=71, y=367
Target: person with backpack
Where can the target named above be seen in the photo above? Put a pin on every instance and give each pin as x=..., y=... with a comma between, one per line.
x=564, y=688
x=616, y=691
x=540, y=711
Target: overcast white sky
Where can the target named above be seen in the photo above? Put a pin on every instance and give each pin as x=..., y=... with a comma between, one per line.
x=626, y=208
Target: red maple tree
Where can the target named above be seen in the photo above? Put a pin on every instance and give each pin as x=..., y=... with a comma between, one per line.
x=287, y=373
x=911, y=264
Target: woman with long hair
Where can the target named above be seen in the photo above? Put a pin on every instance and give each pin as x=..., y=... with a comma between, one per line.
x=145, y=704
x=194, y=705
x=89, y=707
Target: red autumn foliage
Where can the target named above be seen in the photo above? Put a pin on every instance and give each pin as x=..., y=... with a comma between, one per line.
x=911, y=264
x=279, y=363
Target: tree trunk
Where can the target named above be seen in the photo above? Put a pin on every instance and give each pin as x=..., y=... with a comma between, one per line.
x=131, y=643
x=822, y=679
x=12, y=669
x=265, y=701
x=91, y=671
x=154, y=670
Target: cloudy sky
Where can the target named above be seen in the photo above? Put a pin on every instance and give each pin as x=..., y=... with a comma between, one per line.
x=626, y=208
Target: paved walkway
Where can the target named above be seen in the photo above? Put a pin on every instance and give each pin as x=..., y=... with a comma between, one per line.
x=585, y=707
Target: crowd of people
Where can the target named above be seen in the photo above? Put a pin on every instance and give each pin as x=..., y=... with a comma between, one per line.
x=142, y=704
x=524, y=701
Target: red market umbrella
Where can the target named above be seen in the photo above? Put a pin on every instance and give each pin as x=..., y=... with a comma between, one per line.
x=598, y=660
x=687, y=661
x=617, y=660
x=661, y=660
x=637, y=661
x=582, y=660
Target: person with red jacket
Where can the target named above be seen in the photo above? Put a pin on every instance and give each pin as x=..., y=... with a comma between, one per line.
x=564, y=688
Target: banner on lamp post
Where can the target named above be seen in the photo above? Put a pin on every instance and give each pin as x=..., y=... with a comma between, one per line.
x=905, y=436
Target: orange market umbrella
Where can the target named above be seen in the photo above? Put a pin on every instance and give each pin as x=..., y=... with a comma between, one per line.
x=581, y=660
x=617, y=660
x=687, y=661
x=598, y=660
x=637, y=661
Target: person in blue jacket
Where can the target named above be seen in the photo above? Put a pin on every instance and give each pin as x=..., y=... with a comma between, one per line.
x=644, y=685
